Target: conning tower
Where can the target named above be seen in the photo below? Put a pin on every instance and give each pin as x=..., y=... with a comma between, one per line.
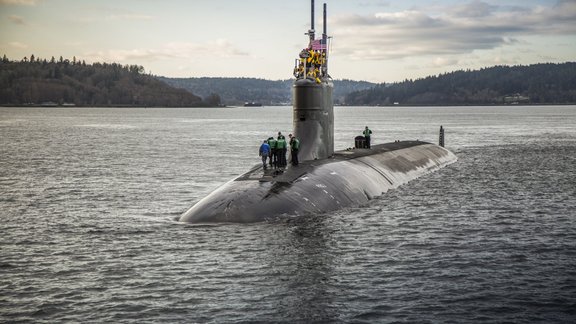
x=313, y=107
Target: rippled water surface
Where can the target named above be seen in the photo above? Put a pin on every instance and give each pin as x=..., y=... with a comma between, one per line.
x=88, y=199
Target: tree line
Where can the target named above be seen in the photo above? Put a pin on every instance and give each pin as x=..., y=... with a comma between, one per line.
x=544, y=83
x=37, y=81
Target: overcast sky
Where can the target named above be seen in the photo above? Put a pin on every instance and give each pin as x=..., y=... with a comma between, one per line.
x=373, y=40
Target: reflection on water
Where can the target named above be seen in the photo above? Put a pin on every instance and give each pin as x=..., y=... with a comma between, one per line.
x=306, y=270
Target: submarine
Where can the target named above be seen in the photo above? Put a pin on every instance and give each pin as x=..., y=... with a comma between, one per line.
x=324, y=180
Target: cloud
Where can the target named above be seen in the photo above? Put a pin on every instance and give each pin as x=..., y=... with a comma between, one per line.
x=18, y=45
x=99, y=14
x=444, y=61
x=455, y=30
x=129, y=17
x=16, y=20
x=123, y=17
x=19, y=2
x=215, y=49
x=377, y=3
x=474, y=9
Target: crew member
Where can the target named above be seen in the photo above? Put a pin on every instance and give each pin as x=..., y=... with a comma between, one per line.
x=264, y=153
x=317, y=59
x=310, y=59
x=294, y=147
x=281, y=150
x=367, y=132
x=299, y=70
x=273, y=155
x=316, y=74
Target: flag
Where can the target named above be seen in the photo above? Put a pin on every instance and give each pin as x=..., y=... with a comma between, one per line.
x=319, y=44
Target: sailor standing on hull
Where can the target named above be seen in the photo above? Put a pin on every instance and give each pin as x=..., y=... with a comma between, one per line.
x=281, y=149
x=294, y=147
x=273, y=153
x=264, y=152
x=367, y=132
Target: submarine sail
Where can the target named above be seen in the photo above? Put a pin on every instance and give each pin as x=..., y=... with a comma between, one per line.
x=313, y=107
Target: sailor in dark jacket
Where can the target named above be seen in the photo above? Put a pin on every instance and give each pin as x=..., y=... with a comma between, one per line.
x=281, y=148
x=367, y=132
x=273, y=154
x=294, y=147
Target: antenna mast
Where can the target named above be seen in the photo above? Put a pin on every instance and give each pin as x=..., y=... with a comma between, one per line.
x=324, y=33
x=311, y=31
x=325, y=42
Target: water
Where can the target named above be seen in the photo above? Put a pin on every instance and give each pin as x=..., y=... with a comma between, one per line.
x=88, y=198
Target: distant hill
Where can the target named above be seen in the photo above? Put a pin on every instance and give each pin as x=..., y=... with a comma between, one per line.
x=35, y=81
x=237, y=91
x=533, y=84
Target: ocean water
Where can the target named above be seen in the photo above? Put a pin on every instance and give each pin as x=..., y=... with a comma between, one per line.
x=88, y=199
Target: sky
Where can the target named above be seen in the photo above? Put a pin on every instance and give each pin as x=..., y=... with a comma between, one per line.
x=372, y=40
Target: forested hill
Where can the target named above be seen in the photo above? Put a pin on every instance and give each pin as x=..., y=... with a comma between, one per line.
x=237, y=91
x=33, y=81
x=533, y=84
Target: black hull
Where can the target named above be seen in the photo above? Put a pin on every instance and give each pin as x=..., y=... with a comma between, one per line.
x=349, y=178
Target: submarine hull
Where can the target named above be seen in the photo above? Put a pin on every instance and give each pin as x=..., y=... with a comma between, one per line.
x=349, y=178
